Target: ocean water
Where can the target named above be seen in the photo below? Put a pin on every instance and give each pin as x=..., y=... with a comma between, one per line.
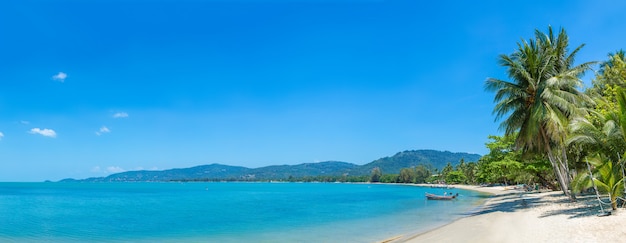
x=221, y=212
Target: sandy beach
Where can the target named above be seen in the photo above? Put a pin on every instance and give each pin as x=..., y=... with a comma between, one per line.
x=516, y=216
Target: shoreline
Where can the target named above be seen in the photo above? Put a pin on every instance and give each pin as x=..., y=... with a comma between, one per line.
x=511, y=215
x=492, y=191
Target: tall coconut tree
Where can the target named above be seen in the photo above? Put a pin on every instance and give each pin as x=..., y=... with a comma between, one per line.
x=541, y=97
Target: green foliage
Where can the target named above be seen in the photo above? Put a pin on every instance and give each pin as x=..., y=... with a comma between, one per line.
x=456, y=177
x=406, y=176
x=376, y=175
x=542, y=92
x=606, y=102
x=541, y=97
x=469, y=170
x=601, y=134
x=447, y=169
x=612, y=74
x=433, y=180
x=422, y=173
x=541, y=170
x=389, y=178
x=607, y=176
x=503, y=163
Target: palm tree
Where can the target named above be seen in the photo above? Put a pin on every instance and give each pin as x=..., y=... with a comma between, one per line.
x=541, y=97
x=604, y=135
x=607, y=177
x=611, y=73
x=615, y=59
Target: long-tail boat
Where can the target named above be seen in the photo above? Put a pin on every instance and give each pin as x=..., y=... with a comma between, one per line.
x=431, y=196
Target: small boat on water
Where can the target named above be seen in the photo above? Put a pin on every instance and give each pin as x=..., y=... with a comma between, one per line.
x=431, y=196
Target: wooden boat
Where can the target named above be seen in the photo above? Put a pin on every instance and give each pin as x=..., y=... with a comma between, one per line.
x=431, y=196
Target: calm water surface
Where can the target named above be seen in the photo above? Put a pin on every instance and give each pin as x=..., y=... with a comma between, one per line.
x=221, y=212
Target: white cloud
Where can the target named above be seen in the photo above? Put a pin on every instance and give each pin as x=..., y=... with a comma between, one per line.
x=1, y=135
x=61, y=76
x=108, y=170
x=120, y=115
x=24, y=122
x=103, y=130
x=44, y=132
x=115, y=169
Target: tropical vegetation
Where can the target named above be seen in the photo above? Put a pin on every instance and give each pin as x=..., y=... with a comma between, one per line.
x=541, y=98
x=549, y=118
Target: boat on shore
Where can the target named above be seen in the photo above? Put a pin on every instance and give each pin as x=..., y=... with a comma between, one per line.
x=442, y=186
x=431, y=196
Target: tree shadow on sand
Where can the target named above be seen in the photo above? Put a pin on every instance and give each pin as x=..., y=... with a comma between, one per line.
x=505, y=203
x=585, y=206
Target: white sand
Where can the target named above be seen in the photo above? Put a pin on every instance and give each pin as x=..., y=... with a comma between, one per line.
x=515, y=216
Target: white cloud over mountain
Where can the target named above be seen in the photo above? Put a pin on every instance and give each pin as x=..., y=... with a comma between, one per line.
x=115, y=169
x=110, y=169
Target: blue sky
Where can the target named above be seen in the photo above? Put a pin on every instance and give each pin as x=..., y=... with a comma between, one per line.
x=88, y=88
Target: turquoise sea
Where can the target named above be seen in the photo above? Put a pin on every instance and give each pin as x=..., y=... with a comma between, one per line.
x=221, y=212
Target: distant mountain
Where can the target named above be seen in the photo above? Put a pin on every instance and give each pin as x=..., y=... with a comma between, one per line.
x=204, y=171
x=408, y=159
x=329, y=168
x=388, y=165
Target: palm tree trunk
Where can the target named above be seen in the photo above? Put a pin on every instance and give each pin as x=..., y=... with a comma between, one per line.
x=559, y=165
x=614, y=203
x=559, y=174
x=566, y=172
